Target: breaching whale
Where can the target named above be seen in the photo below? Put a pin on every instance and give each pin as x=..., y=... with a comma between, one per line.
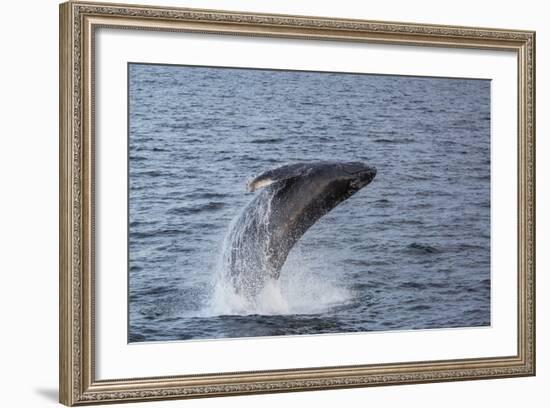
x=292, y=198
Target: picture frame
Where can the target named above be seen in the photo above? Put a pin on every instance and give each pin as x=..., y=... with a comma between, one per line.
x=78, y=257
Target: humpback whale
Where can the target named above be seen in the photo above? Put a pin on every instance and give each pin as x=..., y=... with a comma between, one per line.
x=292, y=198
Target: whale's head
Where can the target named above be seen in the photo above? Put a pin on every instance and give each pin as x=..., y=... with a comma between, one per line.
x=334, y=180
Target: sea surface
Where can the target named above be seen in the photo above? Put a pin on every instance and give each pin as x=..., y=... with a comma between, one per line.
x=409, y=251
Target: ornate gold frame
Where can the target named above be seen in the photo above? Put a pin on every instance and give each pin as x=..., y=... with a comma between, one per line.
x=78, y=21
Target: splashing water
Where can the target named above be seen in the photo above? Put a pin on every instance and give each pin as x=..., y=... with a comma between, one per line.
x=299, y=290
x=247, y=249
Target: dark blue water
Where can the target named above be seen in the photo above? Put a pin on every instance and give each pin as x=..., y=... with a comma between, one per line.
x=409, y=251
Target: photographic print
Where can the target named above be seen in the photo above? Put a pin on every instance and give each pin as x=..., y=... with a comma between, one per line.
x=278, y=202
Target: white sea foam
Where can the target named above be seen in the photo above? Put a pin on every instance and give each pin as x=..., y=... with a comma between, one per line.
x=241, y=283
x=300, y=290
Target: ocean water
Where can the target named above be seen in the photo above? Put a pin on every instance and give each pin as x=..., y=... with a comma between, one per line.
x=409, y=251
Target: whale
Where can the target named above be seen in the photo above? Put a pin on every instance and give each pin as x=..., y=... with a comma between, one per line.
x=287, y=201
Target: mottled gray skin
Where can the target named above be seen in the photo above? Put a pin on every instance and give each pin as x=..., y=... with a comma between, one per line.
x=292, y=199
